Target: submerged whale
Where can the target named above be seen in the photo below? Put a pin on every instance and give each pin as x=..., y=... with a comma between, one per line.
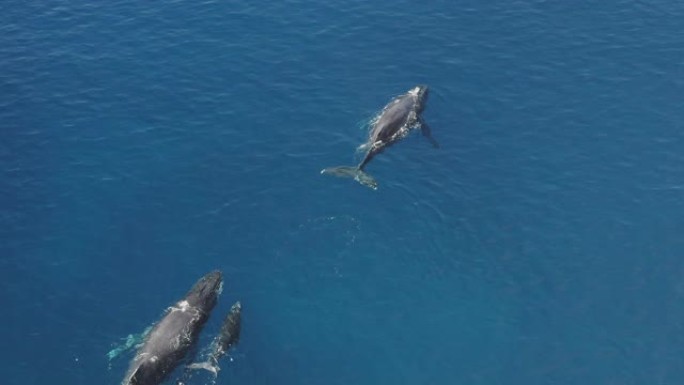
x=170, y=339
x=396, y=120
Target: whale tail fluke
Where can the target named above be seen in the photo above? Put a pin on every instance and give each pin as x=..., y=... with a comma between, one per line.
x=352, y=172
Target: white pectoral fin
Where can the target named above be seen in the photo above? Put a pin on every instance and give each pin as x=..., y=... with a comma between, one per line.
x=130, y=342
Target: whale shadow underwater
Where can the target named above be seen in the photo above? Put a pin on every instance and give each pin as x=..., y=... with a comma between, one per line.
x=394, y=122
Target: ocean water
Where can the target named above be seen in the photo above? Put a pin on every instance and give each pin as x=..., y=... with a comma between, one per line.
x=143, y=144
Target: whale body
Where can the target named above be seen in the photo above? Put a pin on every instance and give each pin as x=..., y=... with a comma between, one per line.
x=396, y=120
x=170, y=339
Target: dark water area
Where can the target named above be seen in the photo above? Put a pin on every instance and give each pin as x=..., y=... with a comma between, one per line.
x=145, y=144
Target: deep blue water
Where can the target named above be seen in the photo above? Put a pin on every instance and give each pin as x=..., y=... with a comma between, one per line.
x=144, y=144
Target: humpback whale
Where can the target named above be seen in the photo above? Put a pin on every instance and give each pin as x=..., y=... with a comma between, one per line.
x=230, y=332
x=167, y=343
x=394, y=122
x=227, y=337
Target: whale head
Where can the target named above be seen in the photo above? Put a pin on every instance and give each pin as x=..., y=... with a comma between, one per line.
x=204, y=293
x=421, y=93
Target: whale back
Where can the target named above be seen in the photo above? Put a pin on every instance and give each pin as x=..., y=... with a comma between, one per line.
x=392, y=118
x=401, y=111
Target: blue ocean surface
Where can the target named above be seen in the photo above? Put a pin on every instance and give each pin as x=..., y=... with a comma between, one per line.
x=144, y=144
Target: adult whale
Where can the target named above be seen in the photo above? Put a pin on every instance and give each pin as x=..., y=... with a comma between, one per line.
x=170, y=339
x=396, y=120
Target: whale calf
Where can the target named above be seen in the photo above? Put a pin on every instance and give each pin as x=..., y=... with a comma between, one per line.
x=228, y=336
x=396, y=120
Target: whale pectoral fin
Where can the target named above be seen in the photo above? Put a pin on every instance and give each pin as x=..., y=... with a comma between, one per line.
x=425, y=129
x=130, y=342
